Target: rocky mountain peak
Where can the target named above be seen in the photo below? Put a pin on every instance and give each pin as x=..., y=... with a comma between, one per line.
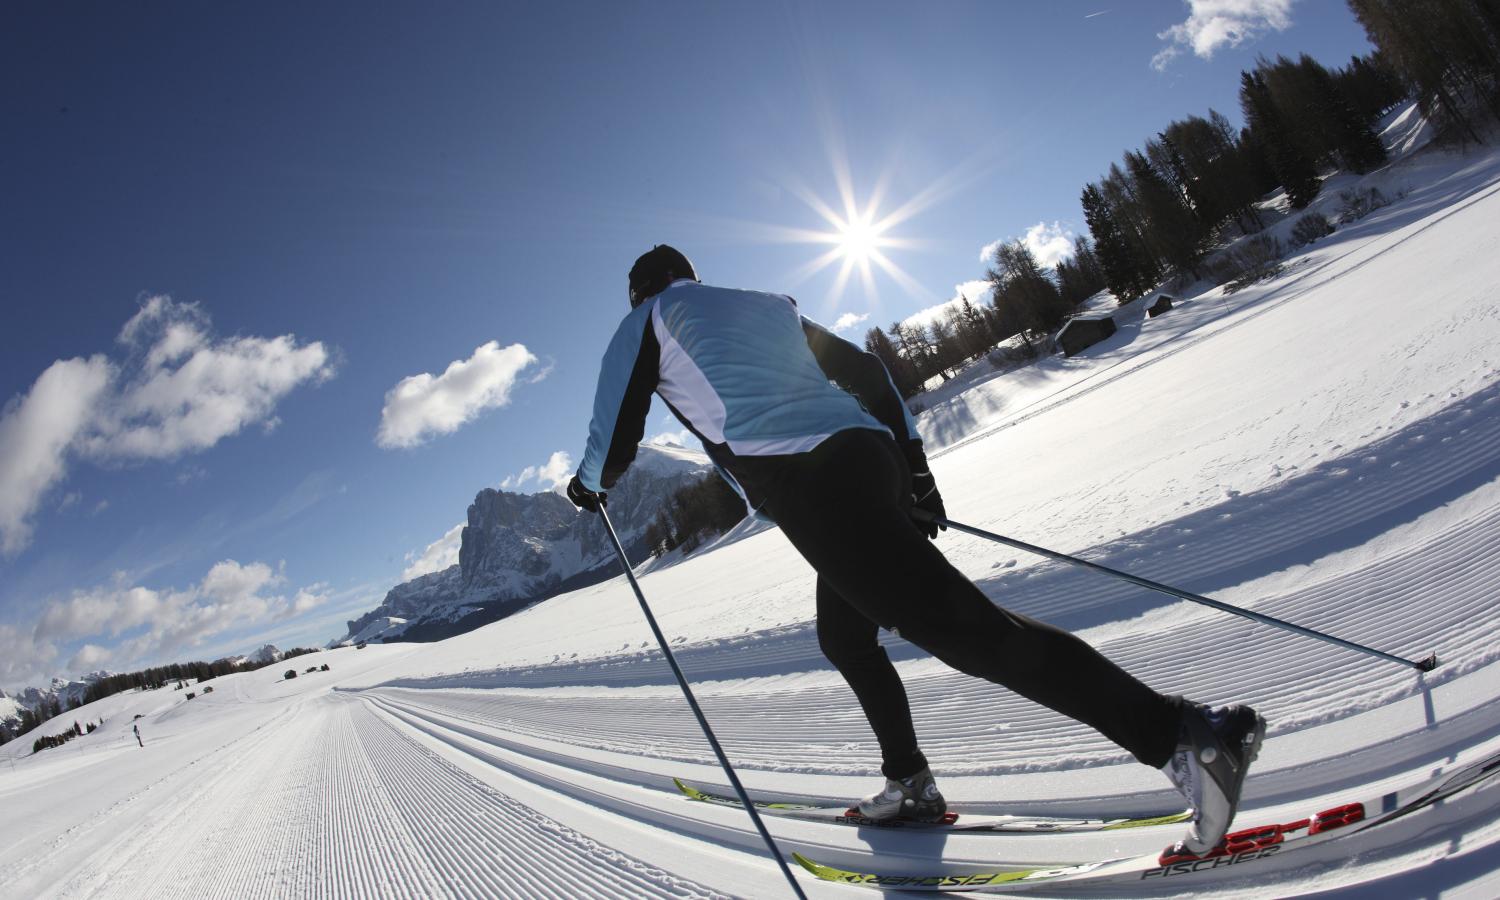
x=520, y=547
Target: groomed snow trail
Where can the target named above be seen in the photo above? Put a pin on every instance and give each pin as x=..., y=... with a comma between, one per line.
x=336, y=802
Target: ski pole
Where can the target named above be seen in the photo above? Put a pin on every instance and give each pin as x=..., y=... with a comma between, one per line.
x=1424, y=665
x=687, y=692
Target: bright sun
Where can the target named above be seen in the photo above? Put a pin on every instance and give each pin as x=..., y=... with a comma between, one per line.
x=858, y=239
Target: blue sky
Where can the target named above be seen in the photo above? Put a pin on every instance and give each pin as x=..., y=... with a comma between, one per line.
x=284, y=285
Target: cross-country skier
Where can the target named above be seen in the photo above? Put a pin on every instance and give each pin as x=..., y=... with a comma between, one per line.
x=841, y=469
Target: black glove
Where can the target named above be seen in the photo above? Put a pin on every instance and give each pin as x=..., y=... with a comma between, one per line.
x=926, y=499
x=583, y=498
x=926, y=502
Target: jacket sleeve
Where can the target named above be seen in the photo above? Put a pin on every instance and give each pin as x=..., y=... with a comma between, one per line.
x=627, y=378
x=863, y=375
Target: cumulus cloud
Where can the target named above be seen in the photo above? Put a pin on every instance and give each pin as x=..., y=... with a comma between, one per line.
x=177, y=390
x=424, y=405
x=36, y=432
x=848, y=320
x=89, y=657
x=1212, y=24
x=439, y=555
x=1050, y=244
x=550, y=475
x=127, y=624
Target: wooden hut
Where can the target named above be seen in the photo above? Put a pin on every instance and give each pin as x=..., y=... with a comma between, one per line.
x=1080, y=334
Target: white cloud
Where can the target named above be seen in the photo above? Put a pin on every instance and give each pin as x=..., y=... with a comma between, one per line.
x=308, y=599
x=177, y=391
x=134, y=625
x=35, y=434
x=1050, y=244
x=511, y=482
x=189, y=391
x=420, y=406
x=439, y=555
x=849, y=320
x=556, y=471
x=550, y=475
x=1212, y=24
x=89, y=658
x=542, y=373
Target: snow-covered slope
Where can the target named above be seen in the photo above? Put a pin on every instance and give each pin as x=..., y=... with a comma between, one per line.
x=1323, y=447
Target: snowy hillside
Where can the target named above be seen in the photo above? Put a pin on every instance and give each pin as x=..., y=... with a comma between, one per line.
x=1323, y=447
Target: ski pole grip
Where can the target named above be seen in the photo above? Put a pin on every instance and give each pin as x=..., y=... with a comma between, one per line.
x=922, y=515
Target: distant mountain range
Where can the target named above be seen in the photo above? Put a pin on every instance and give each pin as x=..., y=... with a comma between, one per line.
x=66, y=693
x=520, y=548
x=516, y=549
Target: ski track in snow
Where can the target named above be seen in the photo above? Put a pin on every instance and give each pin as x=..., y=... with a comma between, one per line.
x=338, y=803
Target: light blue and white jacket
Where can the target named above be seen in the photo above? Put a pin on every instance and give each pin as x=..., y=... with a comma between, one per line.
x=744, y=371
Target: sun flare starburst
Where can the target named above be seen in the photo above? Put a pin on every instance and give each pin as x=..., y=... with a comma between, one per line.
x=858, y=238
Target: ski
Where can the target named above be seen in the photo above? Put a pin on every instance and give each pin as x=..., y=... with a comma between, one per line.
x=1247, y=845
x=1004, y=824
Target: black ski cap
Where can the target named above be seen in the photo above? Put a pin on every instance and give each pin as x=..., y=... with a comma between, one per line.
x=657, y=268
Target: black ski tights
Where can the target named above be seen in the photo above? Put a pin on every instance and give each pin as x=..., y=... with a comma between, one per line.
x=843, y=506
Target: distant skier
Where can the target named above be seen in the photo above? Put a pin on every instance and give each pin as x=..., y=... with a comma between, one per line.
x=137, y=730
x=841, y=471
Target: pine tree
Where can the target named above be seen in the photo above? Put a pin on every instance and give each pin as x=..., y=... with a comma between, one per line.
x=1426, y=41
x=973, y=329
x=911, y=344
x=1173, y=232
x=1294, y=169
x=1121, y=269
x=901, y=371
x=1024, y=290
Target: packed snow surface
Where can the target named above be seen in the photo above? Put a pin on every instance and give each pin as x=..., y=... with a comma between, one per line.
x=1322, y=447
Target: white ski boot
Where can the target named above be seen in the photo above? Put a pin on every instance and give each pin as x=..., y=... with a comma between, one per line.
x=915, y=797
x=1215, y=748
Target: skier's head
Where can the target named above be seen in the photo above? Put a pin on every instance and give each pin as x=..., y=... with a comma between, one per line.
x=657, y=268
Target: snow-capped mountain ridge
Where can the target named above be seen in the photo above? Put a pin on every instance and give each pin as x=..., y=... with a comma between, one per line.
x=516, y=548
x=64, y=692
